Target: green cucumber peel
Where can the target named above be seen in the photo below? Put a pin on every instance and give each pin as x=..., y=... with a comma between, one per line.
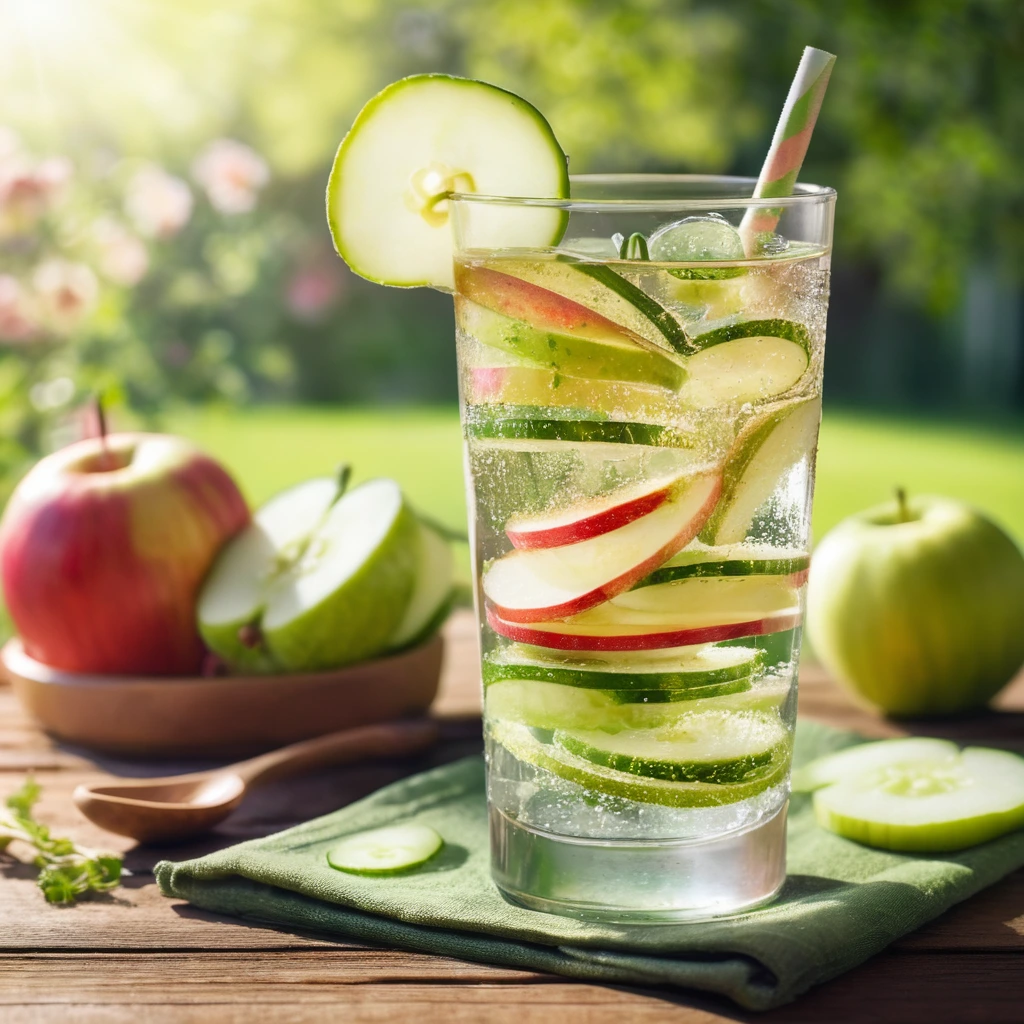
x=787, y=330
x=525, y=745
x=730, y=561
x=534, y=423
x=741, y=664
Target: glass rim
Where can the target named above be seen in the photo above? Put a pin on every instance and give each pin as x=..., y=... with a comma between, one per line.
x=804, y=194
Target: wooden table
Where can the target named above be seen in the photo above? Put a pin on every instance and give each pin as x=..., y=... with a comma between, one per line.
x=134, y=956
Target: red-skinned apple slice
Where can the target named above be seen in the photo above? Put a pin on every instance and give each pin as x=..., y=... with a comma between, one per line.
x=695, y=612
x=549, y=583
x=593, y=518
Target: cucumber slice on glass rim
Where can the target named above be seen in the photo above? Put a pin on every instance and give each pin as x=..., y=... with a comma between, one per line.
x=698, y=669
x=729, y=560
x=416, y=142
x=921, y=796
x=745, y=362
x=385, y=851
x=524, y=744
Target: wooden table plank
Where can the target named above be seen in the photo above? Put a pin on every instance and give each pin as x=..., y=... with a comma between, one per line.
x=134, y=955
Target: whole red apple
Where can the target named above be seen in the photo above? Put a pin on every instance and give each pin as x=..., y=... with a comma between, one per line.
x=103, y=547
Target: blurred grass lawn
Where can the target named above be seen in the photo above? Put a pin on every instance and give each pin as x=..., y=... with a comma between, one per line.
x=861, y=458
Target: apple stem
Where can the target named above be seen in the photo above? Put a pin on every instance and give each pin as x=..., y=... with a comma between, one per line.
x=342, y=475
x=901, y=502
x=101, y=427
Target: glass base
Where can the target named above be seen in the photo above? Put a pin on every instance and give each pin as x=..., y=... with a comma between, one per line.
x=642, y=881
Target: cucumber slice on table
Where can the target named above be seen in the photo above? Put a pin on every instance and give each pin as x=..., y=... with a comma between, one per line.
x=532, y=423
x=551, y=757
x=711, y=747
x=746, y=362
x=700, y=668
x=554, y=706
x=385, y=851
x=585, y=347
x=729, y=560
x=865, y=757
x=420, y=139
x=921, y=800
x=765, y=450
x=564, y=284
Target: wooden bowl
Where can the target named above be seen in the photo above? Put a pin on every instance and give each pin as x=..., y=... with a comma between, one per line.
x=224, y=715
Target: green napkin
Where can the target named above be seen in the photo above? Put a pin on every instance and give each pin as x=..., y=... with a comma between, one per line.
x=841, y=904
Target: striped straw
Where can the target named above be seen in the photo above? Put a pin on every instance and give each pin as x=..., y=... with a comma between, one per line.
x=789, y=144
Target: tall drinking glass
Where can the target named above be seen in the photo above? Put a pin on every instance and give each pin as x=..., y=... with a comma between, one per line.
x=640, y=407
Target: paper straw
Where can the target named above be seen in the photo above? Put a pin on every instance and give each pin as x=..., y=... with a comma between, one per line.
x=789, y=144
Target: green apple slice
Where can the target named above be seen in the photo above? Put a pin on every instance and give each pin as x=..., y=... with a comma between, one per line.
x=553, y=706
x=595, y=778
x=746, y=362
x=699, y=561
x=234, y=593
x=711, y=747
x=593, y=350
x=560, y=288
x=532, y=423
x=699, y=668
x=416, y=142
x=344, y=598
x=385, y=851
x=765, y=450
x=432, y=591
x=925, y=803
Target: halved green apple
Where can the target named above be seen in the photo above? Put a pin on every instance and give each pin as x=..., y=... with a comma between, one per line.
x=318, y=581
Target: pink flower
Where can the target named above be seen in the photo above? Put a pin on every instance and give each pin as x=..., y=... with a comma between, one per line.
x=122, y=257
x=28, y=188
x=17, y=322
x=68, y=291
x=231, y=174
x=158, y=203
x=312, y=291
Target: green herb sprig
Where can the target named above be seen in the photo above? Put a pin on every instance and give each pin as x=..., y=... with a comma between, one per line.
x=67, y=870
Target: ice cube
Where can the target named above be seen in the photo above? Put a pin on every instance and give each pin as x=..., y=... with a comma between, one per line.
x=706, y=237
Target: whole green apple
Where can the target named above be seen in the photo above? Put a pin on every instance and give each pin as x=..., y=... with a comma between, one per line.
x=918, y=606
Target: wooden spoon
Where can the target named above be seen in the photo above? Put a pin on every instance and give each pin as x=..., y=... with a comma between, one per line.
x=168, y=809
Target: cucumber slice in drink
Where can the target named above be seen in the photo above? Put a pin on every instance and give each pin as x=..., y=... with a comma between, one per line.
x=746, y=362
x=867, y=757
x=563, y=286
x=711, y=747
x=532, y=423
x=553, y=706
x=385, y=851
x=927, y=805
x=417, y=141
x=590, y=350
x=699, y=669
x=594, y=778
x=729, y=560
x=765, y=450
